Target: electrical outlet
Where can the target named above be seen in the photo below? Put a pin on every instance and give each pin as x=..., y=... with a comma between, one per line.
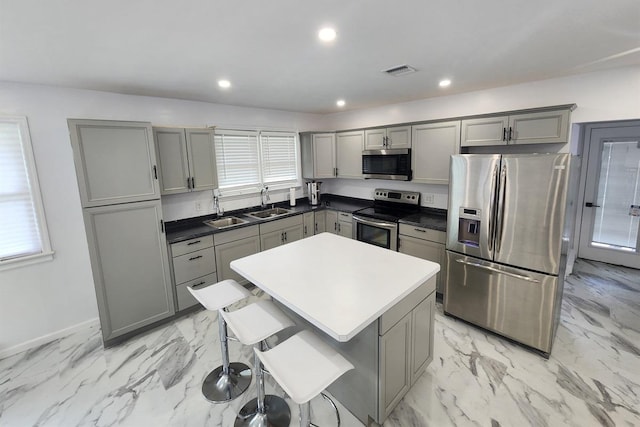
x=198, y=206
x=429, y=199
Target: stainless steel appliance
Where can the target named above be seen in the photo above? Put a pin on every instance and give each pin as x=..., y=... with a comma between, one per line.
x=313, y=192
x=378, y=225
x=392, y=164
x=507, y=235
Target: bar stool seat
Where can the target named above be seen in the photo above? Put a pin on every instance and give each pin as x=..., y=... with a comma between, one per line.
x=252, y=325
x=229, y=380
x=304, y=365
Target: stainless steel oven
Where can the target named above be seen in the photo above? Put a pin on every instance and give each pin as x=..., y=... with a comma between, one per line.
x=378, y=224
x=376, y=232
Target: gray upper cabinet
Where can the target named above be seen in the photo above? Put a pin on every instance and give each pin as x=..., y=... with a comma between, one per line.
x=433, y=145
x=186, y=159
x=349, y=146
x=130, y=267
x=390, y=137
x=115, y=161
x=318, y=155
x=543, y=127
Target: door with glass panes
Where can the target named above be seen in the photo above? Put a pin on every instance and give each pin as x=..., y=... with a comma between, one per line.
x=611, y=210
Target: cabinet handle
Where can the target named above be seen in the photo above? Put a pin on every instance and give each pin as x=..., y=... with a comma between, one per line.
x=198, y=284
x=162, y=226
x=336, y=170
x=193, y=243
x=193, y=182
x=189, y=183
x=335, y=226
x=338, y=227
x=504, y=134
x=510, y=133
x=195, y=257
x=420, y=230
x=155, y=172
x=285, y=236
x=316, y=228
x=305, y=230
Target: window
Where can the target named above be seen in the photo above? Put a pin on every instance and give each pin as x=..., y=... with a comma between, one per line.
x=247, y=160
x=23, y=235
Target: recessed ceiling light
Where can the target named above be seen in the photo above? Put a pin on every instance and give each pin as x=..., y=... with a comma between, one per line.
x=327, y=34
x=224, y=83
x=340, y=103
x=444, y=83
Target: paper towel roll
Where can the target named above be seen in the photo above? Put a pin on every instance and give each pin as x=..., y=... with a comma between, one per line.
x=292, y=196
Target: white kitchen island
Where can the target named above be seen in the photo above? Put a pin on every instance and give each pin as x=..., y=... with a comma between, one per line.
x=374, y=305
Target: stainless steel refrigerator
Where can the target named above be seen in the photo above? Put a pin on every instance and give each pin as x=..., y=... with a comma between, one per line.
x=505, y=254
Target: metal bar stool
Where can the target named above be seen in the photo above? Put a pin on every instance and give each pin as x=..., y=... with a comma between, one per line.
x=229, y=380
x=304, y=365
x=252, y=325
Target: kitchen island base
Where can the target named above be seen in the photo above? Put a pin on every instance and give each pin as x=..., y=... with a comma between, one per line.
x=389, y=355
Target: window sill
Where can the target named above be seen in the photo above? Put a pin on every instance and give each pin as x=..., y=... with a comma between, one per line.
x=26, y=261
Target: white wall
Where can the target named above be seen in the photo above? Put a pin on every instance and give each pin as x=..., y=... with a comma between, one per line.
x=600, y=96
x=43, y=299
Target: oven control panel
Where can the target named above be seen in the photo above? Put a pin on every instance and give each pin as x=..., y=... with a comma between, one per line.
x=398, y=196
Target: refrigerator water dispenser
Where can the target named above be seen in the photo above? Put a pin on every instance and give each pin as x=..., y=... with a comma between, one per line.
x=469, y=227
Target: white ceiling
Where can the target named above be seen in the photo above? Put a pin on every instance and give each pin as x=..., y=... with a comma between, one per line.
x=270, y=51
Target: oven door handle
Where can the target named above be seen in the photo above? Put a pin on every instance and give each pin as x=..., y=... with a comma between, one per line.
x=386, y=225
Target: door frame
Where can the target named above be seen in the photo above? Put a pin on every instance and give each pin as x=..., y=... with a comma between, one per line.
x=584, y=139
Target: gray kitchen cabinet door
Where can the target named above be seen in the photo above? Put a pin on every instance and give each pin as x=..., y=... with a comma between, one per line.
x=539, y=128
x=422, y=318
x=271, y=240
x=431, y=251
x=230, y=251
x=308, y=224
x=130, y=267
x=202, y=159
x=320, y=222
x=345, y=229
x=173, y=161
x=324, y=155
x=433, y=144
x=484, y=131
x=291, y=234
x=395, y=365
x=375, y=139
x=331, y=223
x=115, y=161
x=399, y=137
x=349, y=146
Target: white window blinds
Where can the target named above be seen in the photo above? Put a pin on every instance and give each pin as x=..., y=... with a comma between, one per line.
x=279, y=157
x=237, y=159
x=23, y=232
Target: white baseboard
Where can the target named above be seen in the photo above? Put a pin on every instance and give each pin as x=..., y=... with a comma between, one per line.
x=27, y=345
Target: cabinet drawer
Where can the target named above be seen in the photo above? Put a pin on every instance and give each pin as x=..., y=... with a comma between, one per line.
x=398, y=311
x=281, y=224
x=185, y=299
x=191, y=245
x=422, y=233
x=344, y=216
x=195, y=264
x=233, y=235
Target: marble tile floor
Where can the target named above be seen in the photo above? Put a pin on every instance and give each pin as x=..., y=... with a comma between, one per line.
x=476, y=378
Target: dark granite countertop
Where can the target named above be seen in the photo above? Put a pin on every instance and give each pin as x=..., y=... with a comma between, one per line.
x=435, y=219
x=191, y=228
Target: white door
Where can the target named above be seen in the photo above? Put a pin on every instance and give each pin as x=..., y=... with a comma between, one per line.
x=611, y=212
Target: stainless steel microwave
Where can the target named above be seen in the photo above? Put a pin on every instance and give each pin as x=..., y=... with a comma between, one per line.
x=387, y=164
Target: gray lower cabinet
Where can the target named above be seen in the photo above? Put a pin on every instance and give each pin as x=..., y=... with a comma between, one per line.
x=193, y=264
x=395, y=365
x=234, y=244
x=308, y=224
x=320, y=218
x=340, y=223
x=131, y=274
x=427, y=244
x=280, y=232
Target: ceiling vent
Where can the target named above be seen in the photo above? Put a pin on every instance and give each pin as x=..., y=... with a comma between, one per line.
x=400, y=70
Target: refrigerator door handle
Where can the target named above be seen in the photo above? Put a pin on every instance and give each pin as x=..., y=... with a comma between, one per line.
x=492, y=206
x=501, y=206
x=497, y=270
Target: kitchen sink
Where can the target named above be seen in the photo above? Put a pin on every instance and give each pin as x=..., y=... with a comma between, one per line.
x=269, y=213
x=229, y=221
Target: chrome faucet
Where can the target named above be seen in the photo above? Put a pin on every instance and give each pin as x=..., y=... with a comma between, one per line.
x=216, y=206
x=264, y=197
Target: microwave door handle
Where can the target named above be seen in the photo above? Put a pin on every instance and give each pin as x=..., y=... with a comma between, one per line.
x=501, y=207
x=386, y=225
x=492, y=206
